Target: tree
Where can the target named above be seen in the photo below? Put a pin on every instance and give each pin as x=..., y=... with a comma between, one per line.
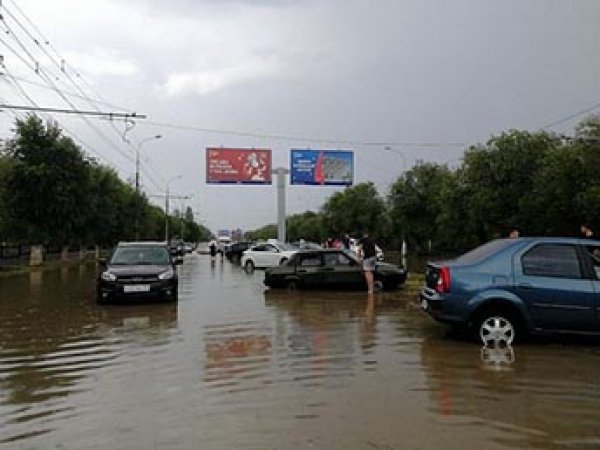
x=356, y=210
x=5, y=168
x=308, y=226
x=48, y=184
x=416, y=203
x=262, y=234
x=498, y=176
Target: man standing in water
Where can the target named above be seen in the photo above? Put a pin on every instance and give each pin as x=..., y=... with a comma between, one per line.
x=368, y=255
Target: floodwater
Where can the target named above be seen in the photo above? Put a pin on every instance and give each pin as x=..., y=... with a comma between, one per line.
x=232, y=365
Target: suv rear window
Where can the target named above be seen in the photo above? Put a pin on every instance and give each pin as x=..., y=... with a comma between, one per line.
x=483, y=251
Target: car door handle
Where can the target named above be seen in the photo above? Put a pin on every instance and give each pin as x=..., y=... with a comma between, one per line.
x=525, y=286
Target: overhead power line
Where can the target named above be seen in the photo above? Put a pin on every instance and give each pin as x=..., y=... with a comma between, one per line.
x=73, y=111
x=571, y=116
x=65, y=70
x=301, y=139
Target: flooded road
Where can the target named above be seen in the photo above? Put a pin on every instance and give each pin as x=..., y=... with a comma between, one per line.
x=232, y=365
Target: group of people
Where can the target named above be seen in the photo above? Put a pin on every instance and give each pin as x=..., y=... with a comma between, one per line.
x=585, y=231
x=344, y=242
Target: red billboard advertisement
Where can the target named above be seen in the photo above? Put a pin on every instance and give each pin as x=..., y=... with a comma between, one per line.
x=238, y=165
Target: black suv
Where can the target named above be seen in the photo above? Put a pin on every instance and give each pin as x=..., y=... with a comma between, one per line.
x=138, y=269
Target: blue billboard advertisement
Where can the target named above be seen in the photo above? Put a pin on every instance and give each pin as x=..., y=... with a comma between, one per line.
x=322, y=167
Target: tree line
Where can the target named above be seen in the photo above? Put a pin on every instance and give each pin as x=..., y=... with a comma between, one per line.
x=52, y=193
x=539, y=182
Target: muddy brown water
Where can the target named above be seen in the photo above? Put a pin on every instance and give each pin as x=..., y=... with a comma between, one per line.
x=232, y=365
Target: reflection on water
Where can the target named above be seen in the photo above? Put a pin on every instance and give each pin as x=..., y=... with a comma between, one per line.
x=232, y=365
x=497, y=357
x=55, y=343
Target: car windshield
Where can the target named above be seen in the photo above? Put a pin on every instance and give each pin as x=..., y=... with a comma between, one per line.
x=141, y=255
x=483, y=251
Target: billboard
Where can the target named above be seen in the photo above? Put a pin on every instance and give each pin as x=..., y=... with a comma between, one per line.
x=238, y=166
x=322, y=167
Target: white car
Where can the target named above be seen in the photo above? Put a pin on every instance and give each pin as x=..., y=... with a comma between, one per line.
x=266, y=255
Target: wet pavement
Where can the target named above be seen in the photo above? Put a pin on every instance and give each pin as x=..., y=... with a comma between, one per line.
x=232, y=365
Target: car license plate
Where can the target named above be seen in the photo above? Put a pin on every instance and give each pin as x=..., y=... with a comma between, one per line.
x=136, y=288
x=424, y=304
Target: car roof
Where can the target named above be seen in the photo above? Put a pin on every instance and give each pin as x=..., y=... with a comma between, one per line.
x=142, y=244
x=322, y=250
x=558, y=239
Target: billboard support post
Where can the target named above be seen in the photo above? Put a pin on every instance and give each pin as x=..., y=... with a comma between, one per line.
x=281, y=172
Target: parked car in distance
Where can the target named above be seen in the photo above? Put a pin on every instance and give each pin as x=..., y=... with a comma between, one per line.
x=268, y=254
x=177, y=247
x=331, y=268
x=138, y=269
x=508, y=288
x=234, y=251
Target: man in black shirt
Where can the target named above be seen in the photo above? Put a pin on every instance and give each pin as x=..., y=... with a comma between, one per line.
x=368, y=255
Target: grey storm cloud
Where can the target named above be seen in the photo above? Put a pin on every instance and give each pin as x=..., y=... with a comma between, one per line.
x=322, y=74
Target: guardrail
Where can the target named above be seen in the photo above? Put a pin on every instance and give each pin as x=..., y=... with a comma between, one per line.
x=14, y=255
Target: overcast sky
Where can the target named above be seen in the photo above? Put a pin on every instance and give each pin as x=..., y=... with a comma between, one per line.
x=324, y=74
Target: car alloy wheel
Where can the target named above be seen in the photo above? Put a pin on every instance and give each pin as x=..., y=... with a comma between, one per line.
x=378, y=285
x=497, y=328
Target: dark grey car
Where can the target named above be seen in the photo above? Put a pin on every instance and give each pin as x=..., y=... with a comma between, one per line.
x=138, y=270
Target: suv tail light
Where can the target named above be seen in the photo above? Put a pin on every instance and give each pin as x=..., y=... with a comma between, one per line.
x=443, y=284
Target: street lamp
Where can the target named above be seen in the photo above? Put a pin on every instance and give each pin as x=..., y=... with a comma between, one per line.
x=167, y=207
x=137, y=160
x=389, y=148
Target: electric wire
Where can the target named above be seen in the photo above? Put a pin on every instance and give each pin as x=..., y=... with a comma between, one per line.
x=62, y=66
x=301, y=139
x=44, y=76
x=49, y=118
x=571, y=116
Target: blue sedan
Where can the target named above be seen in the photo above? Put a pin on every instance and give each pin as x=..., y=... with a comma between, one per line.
x=508, y=288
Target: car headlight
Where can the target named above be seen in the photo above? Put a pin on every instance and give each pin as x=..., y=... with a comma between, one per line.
x=168, y=274
x=107, y=276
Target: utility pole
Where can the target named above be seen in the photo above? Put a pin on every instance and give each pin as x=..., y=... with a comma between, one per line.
x=137, y=182
x=137, y=160
x=167, y=207
x=281, y=172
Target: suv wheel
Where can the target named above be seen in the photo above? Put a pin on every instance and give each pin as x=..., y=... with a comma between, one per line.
x=495, y=326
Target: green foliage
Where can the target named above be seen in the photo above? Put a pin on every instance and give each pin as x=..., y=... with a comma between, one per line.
x=307, y=226
x=51, y=193
x=356, y=210
x=262, y=234
x=416, y=202
x=48, y=182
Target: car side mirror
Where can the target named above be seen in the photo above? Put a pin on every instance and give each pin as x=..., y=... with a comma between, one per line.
x=102, y=262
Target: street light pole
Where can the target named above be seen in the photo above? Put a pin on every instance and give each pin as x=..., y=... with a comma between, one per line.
x=137, y=160
x=167, y=208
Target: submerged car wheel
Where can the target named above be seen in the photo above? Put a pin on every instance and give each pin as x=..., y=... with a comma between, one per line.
x=497, y=327
x=292, y=285
x=249, y=266
x=378, y=285
x=283, y=261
